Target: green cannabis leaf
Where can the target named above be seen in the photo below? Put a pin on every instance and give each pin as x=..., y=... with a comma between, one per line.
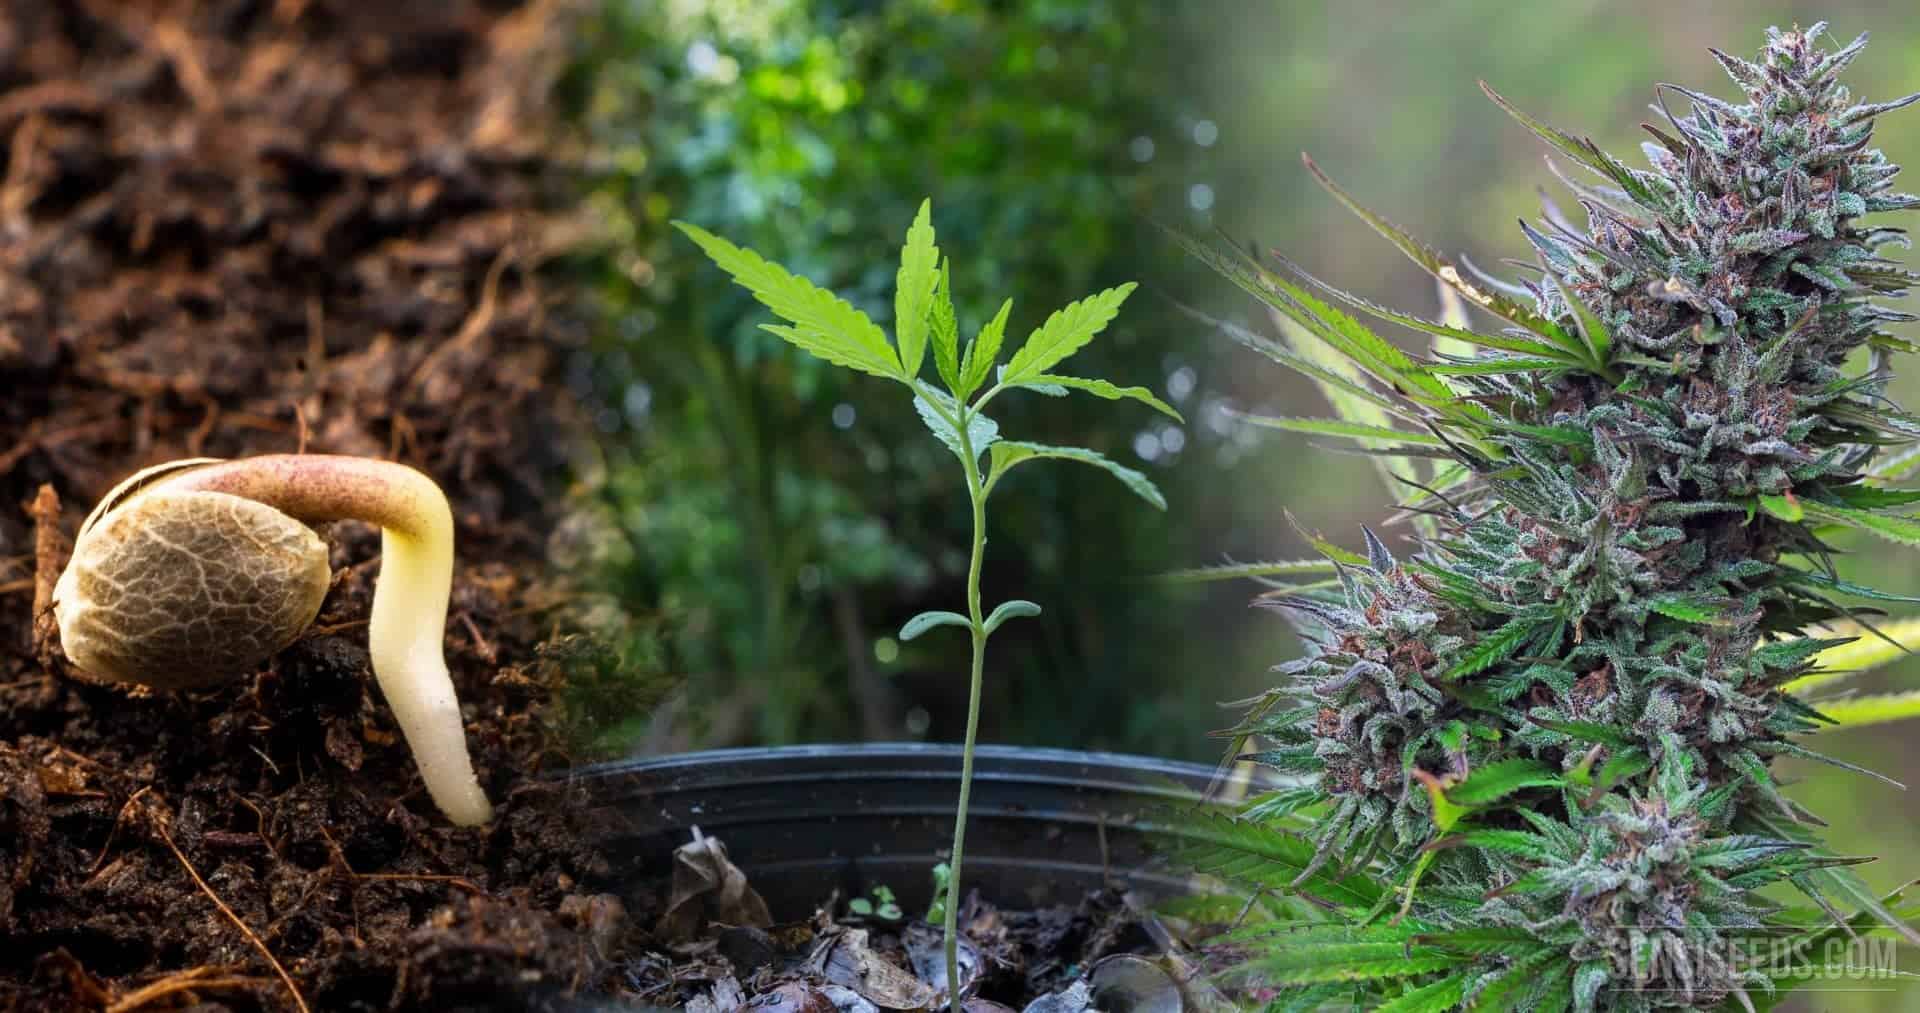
x=914, y=291
x=1005, y=455
x=1101, y=388
x=983, y=352
x=1067, y=331
x=823, y=323
x=826, y=326
x=939, y=412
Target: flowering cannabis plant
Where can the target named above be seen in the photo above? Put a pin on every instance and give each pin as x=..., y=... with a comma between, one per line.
x=1532, y=759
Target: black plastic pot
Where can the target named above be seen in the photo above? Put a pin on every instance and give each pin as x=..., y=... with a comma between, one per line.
x=1046, y=825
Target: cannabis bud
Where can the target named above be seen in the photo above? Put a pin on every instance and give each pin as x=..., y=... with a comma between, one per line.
x=1546, y=735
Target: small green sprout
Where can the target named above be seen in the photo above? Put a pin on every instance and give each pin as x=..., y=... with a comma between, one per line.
x=826, y=326
x=942, y=883
x=883, y=905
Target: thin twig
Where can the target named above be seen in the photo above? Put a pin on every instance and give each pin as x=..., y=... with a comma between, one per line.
x=479, y=642
x=461, y=882
x=317, y=631
x=340, y=855
x=46, y=549
x=193, y=978
x=15, y=194
x=197, y=440
x=476, y=324
x=293, y=989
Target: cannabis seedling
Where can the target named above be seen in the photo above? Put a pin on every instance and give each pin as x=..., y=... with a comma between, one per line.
x=194, y=572
x=1536, y=754
x=882, y=905
x=834, y=330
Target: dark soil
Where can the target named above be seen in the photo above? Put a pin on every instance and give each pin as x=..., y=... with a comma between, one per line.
x=232, y=228
x=244, y=226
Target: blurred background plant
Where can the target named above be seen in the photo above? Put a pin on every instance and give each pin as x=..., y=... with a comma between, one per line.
x=1048, y=133
x=783, y=561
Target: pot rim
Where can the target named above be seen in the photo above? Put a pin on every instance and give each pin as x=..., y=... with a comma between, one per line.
x=816, y=761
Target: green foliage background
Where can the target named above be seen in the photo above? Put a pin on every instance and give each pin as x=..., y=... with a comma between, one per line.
x=783, y=559
x=787, y=520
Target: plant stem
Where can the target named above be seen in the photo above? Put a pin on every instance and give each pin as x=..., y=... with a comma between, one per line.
x=977, y=495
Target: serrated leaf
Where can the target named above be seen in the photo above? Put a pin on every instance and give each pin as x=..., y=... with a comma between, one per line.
x=1438, y=997
x=1247, y=571
x=1444, y=269
x=1862, y=655
x=1065, y=332
x=1495, y=781
x=1856, y=711
x=1297, y=309
x=1686, y=609
x=1786, y=507
x=1593, y=330
x=1580, y=150
x=1344, y=387
x=1848, y=884
x=1556, y=996
x=913, y=289
x=1502, y=366
x=1342, y=379
x=1894, y=466
x=982, y=432
x=1520, y=843
x=1268, y=857
x=1565, y=436
x=1903, y=530
x=1346, y=335
x=1015, y=609
x=1500, y=991
x=1326, y=548
x=982, y=351
x=1623, y=764
x=1868, y=497
x=823, y=324
x=1741, y=851
x=1479, y=939
x=1102, y=388
x=1587, y=731
x=1794, y=652
x=1493, y=648
x=1341, y=427
x=944, y=330
x=928, y=620
x=1309, y=999
x=1454, y=331
x=1351, y=962
x=1757, y=774
x=1848, y=587
x=1013, y=452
